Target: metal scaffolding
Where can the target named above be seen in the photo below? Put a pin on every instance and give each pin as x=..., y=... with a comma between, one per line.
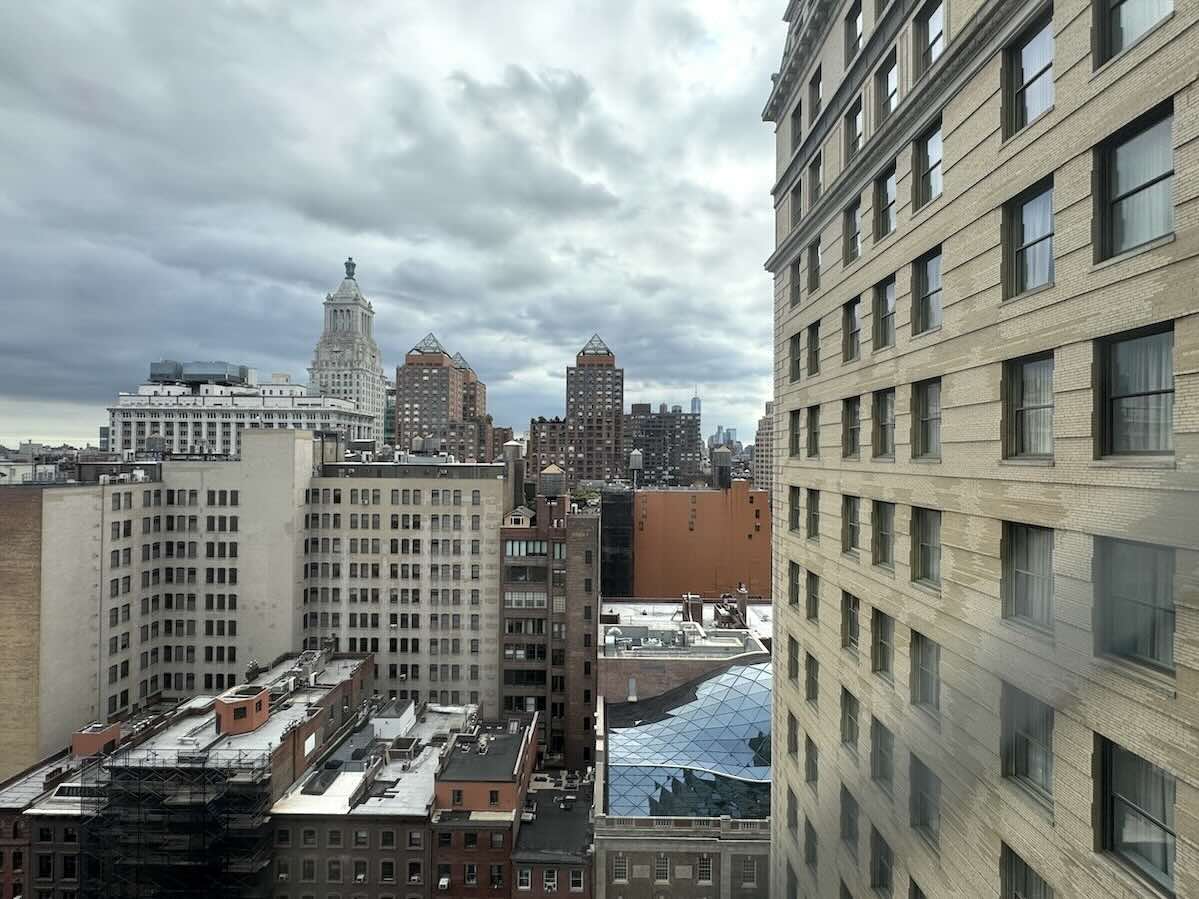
x=177, y=824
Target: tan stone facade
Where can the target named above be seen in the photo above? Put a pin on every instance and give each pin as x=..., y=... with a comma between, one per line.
x=997, y=579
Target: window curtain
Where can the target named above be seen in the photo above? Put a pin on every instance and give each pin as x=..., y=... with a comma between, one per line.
x=1032, y=573
x=1141, y=213
x=1141, y=387
x=1034, y=434
x=1143, y=814
x=1140, y=601
x=1036, y=224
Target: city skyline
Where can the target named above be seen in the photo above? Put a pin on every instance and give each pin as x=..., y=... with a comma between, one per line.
x=236, y=242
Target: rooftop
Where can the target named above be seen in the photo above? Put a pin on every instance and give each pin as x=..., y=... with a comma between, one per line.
x=595, y=347
x=662, y=619
x=386, y=767
x=560, y=829
x=492, y=757
x=21, y=789
x=193, y=731
x=415, y=467
x=699, y=750
x=429, y=344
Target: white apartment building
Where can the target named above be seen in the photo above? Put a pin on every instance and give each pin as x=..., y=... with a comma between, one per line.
x=403, y=561
x=169, y=579
x=346, y=363
x=203, y=408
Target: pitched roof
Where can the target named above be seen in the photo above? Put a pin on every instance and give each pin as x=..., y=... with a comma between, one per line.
x=460, y=362
x=429, y=344
x=595, y=347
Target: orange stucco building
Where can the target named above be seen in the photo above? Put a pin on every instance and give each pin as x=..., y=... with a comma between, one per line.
x=701, y=540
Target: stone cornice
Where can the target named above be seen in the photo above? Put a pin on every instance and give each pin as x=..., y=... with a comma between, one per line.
x=792, y=66
x=966, y=54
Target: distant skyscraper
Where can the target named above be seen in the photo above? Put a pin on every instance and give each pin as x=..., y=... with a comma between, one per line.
x=429, y=391
x=441, y=397
x=671, y=448
x=695, y=403
x=764, y=450
x=594, y=414
x=346, y=363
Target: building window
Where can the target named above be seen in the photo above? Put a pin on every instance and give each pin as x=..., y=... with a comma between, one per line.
x=796, y=199
x=810, y=851
x=1027, y=553
x=813, y=432
x=524, y=878
x=620, y=868
x=793, y=575
x=1137, y=806
x=854, y=129
x=812, y=610
x=853, y=231
x=749, y=871
x=1026, y=749
x=795, y=276
x=930, y=35
x=815, y=96
x=849, y=720
x=549, y=878
x=926, y=419
x=850, y=621
x=1028, y=402
x=925, y=802
x=884, y=424
x=882, y=863
x=661, y=868
x=815, y=180
x=792, y=659
x=792, y=735
x=1136, y=184
x=926, y=277
x=794, y=432
x=811, y=762
x=851, y=427
x=850, y=525
x=1121, y=23
x=1135, y=583
x=1028, y=240
x=813, y=513
x=793, y=507
x=851, y=325
x=796, y=126
x=849, y=821
x=811, y=679
x=883, y=537
x=882, y=755
x=884, y=313
x=703, y=869
x=796, y=346
x=926, y=673
x=853, y=31
x=926, y=546
x=1137, y=393
x=814, y=348
x=882, y=644
x=886, y=86
x=1017, y=878
x=929, y=152
x=1029, y=76
x=884, y=203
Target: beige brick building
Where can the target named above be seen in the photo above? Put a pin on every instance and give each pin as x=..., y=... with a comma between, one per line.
x=987, y=450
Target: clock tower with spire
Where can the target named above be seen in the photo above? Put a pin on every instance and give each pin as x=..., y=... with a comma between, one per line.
x=346, y=362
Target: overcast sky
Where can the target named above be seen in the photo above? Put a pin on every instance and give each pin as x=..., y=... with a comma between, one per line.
x=184, y=180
